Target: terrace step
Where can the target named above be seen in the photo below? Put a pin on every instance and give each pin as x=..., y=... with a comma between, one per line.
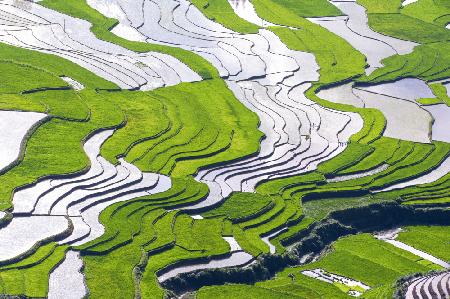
x=431, y=286
x=54, y=33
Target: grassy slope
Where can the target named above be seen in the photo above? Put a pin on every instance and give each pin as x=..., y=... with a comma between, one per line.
x=341, y=163
x=281, y=12
x=434, y=240
x=381, y=6
x=441, y=96
x=427, y=62
x=430, y=11
x=49, y=67
x=56, y=145
x=178, y=129
x=28, y=275
x=137, y=228
x=440, y=91
x=417, y=21
x=338, y=62
x=422, y=22
x=337, y=59
x=319, y=209
x=242, y=291
x=83, y=112
x=249, y=233
x=13, y=74
x=386, y=262
x=240, y=206
x=50, y=64
x=361, y=257
x=74, y=115
x=292, y=282
x=410, y=28
x=206, y=111
x=228, y=122
x=220, y=11
x=102, y=107
x=306, y=8
x=330, y=59
x=101, y=26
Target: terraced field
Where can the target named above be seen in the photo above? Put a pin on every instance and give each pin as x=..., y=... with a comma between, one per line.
x=224, y=148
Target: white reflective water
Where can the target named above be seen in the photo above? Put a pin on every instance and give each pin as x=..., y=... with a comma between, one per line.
x=432, y=176
x=441, y=124
x=14, y=126
x=245, y=10
x=407, y=88
x=266, y=239
x=405, y=118
x=87, y=195
x=75, y=84
x=355, y=30
x=389, y=237
x=31, y=26
x=66, y=280
x=423, y=287
x=236, y=258
x=407, y=2
x=358, y=175
x=266, y=76
x=22, y=233
x=332, y=278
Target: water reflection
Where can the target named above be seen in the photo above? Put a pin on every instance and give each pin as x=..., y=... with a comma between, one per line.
x=408, y=89
x=447, y=86
x=23, y=4
x=355, y=30
x=441, y=115
x=407, y=2
x=406, y=119
x=245, y=10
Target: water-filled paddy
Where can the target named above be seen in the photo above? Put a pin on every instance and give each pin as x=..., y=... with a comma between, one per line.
x=149, y=196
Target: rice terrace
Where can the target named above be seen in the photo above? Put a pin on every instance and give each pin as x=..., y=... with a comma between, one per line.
x=219, y=149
